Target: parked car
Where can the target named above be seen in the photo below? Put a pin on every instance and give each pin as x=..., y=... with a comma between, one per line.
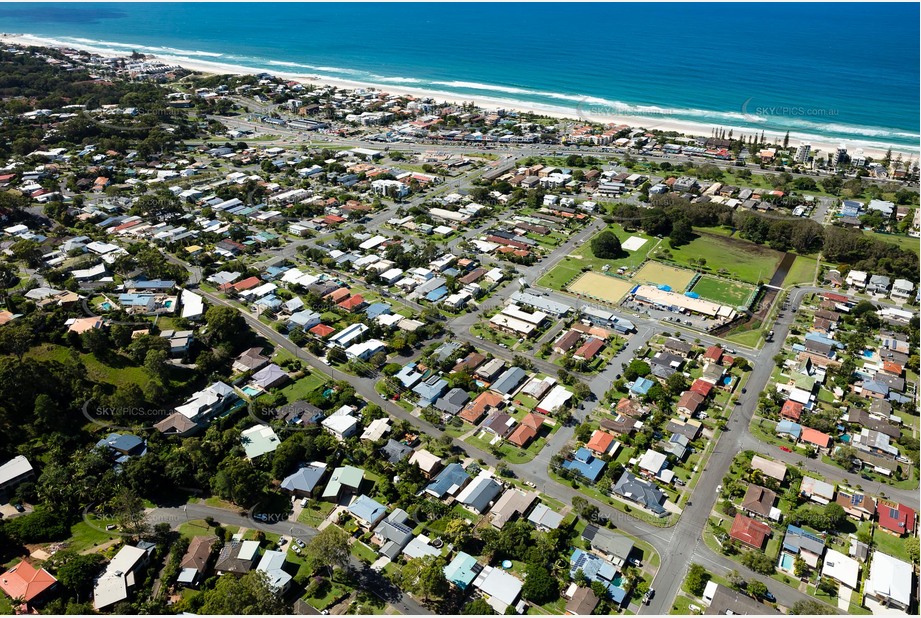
x=785, y=449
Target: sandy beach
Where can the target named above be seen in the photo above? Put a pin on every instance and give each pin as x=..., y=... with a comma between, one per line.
x=587, y=111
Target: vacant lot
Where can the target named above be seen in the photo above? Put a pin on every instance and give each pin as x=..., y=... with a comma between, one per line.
x=741, y=259
x=722, y=291
x=596, y=286
x=582, y=256
x=655, y=273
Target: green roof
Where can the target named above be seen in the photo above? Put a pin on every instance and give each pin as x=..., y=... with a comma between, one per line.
x=350, y=476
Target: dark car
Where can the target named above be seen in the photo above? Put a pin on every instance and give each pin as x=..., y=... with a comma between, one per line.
x=770, y=596
x=19, y=507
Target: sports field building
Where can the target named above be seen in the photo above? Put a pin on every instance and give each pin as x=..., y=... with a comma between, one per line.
x=675, y=302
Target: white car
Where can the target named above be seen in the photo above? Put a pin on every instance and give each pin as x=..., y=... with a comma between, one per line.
x=304, y=502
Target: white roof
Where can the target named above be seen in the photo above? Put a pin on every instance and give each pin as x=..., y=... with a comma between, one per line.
x=889, y=577
x=112, y=586
x=555, y=399
x=842, y=568
x=425, y=460
x=14, y=468
x=376, y=429
x=499, y=586
x=193, y=305
x=340, y=424
x=652, y=461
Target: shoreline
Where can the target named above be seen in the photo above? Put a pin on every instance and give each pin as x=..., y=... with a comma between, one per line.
x=591, y=113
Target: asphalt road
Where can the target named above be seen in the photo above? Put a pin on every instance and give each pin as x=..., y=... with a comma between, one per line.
x=677, y=546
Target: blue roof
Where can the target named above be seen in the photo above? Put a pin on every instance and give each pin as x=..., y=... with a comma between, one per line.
x=375, y=309
x=437, y=294
x=819, y=337
x=135, y=300
x=789, y=427
x=507, y=382
x=453, y=474
x=366, y=508
x=430, y=390
x=641, y=386
x=597, y=569
x=585, y=464
x=408, y=376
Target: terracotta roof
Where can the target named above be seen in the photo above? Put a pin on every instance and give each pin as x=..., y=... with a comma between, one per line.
x=749, y=531
x=600, y=441
x=475, y=410
x=322, y=330
x=791, y=409
x=701, y=387
x=814, y=436
x=522, y=435
x=25, y=582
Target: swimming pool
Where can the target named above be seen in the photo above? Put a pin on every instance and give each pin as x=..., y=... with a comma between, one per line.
x=106, y=306
x=786, y=562
x=249, y=391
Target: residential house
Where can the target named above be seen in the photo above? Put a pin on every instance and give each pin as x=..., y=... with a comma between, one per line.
x=273, y=565
x=806, y=545
x=14, y=472
x=601, y=443
x=194, y=563
x=345, y=479
x=527, y=430
x=395, y=452
x=448, y=482
x=367, y=511
x=453, y=401
x=486, y=401
x=857, y=505
x=652, y=463
x=462, y=570
x=774, y=469
x=341, y=426
x=817, y=490
x=480, y=492
x=725, y=601
x=890, y=582
x=842, y=568
x=586, y=464
x=120, y=576
x=304, y=482
x=259, y=440
x=582, y=602
x=613, y=547
x=544, y=518
x=393, y=534
x=512, y=504
x=27, y=585
x=427, y=462
x=759, y=501
x=237, y=557
x=500, y=589
x=749, y=531
x=597, y=570
x=642, y=492
x=896, y=518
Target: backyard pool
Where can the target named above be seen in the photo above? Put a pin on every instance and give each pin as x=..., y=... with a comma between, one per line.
x=249, y=391
x=786, y=562
x=106, y=306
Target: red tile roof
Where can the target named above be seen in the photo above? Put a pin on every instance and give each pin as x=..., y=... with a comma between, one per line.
x=522, y=435
x=791, y=410
x=249, y=282
x=590, y=348
x=701, y=387
x=322, y=331
x=600, y=442
x=814, y=436
x=25, y=582
x=749, y=531
x=714, y=353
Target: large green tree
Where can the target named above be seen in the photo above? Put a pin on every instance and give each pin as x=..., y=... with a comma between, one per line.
x=606, y=245
x=248, y=595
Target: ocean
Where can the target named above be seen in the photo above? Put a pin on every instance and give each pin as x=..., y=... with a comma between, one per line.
x=825, y=72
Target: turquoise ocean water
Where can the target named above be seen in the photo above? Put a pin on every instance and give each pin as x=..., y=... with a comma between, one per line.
x=826, y=72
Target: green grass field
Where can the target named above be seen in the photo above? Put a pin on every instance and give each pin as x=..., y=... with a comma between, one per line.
x=741, y=259
x=582, y=256
x=802, y=271
x=722, y=291
x=298, y=390
x=905, y=242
